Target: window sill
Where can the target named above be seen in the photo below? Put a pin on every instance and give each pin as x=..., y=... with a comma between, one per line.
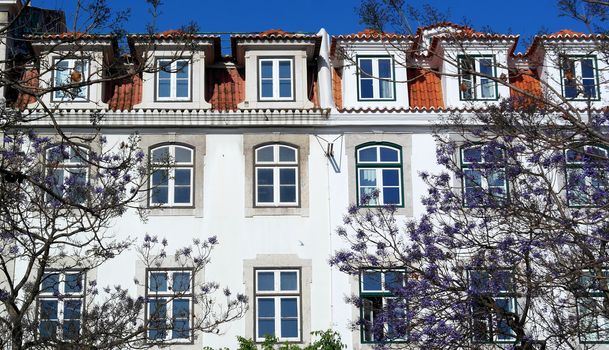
x=175, y=211
x=276, y=211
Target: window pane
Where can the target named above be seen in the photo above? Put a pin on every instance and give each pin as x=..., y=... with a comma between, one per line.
x=181, y=308
x=71, y=309
x=496, y=178
x=50, y=283
x=181, y=281
x=182, y=88
x=73, y=283
x=265, y=194
x=265, y=154
x=266, y=281
x=391, y=195
x=49, y=309
x=389, y=155
x=164, y=68
x=289, y=307
x=386, y=87
x=289, y=280
x=266, y=69
x=472, y=155
x=182, y=69
x=160, y=155
x=384, y=68
x=486, y=66
x=183, y=155
x=266, y=307
x=287, y=176
x=267, y=88
x=285, y=69
x=287, y=154
x=160, y=195
x=367, y=177
x=367, y=155
x=366, y=88
x=394, y=279
x=587, y=68
x=160, y=177
x=265, y=176
x=365, y=65
x=287, y=194
x=181, y=329
x=48, y=329
x=391, y=177
x=158, y=282
x=182, y=177
x=487, y=88
x=164, y=88
x=289, y=328
x=371, y=281
x=589, y=86
x=71, y=329
x=285, y=88
x=473, y=178
x=158, y=309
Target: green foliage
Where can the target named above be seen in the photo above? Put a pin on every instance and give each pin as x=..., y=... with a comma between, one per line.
x=328, y=340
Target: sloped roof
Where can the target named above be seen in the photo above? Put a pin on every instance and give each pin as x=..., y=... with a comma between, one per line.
x=29, y=80
x=225, y=88
x=528, y=81
x=337, y=88
x=126, y=93
x=424, y=89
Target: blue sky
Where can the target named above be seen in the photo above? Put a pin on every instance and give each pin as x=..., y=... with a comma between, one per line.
x=525, y=17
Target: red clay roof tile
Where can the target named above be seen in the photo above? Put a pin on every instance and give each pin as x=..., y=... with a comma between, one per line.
x=528, y=81
x=424, y=89
x=337, y=88
x=29, y=80
x=126, y=93
x=225, y=88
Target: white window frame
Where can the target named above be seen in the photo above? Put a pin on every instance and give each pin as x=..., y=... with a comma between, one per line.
x=476, y=78
x=379, y=167
x=173, y=79
x=168, y=297
x=277, y=295
x=484, y=183
x=501, y=295
x=577, y=166
x=376, y=79
x=66, y=165
x=61, y=301
x=276, y=165
x=64, y=96
x=578, y=76
x=275, y=79
x=383, y=293
x=171, y=168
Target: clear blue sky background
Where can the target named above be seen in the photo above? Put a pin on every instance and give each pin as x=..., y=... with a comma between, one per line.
x=524, y=17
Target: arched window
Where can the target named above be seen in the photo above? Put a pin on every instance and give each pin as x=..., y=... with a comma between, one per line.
x=276, y=171
x=587, y=176
x=171, y=181
x=484, y=179
x=68, y=172
x=379, y=175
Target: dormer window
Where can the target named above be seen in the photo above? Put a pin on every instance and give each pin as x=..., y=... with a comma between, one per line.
x=579, y=77
x=375, y=78
x=70, y=71
x=276, y=82
x=475, y=78
x=173, y=80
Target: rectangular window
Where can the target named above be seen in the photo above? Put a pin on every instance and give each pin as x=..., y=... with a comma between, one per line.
x=492, y=303
x=593, y=324
x=379, y=175
x=587, y=180
x=484, y=177
x=376, y=293
x=579, y=77
x=475, y=78
x=173, y=80
x=70, y=71
x=169, y=294
x=375, y=78
x=60, y=304
x=276, y=175
x=276, y=79
x=171, y=181
x=278, y=304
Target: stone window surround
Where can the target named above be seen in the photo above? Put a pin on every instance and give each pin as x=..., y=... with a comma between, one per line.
x=279, y=261
x=250, y=143
x=197, y=143
x=404, y=140
x=170, y=264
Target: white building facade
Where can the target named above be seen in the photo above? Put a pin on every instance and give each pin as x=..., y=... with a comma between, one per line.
x=272, y=144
